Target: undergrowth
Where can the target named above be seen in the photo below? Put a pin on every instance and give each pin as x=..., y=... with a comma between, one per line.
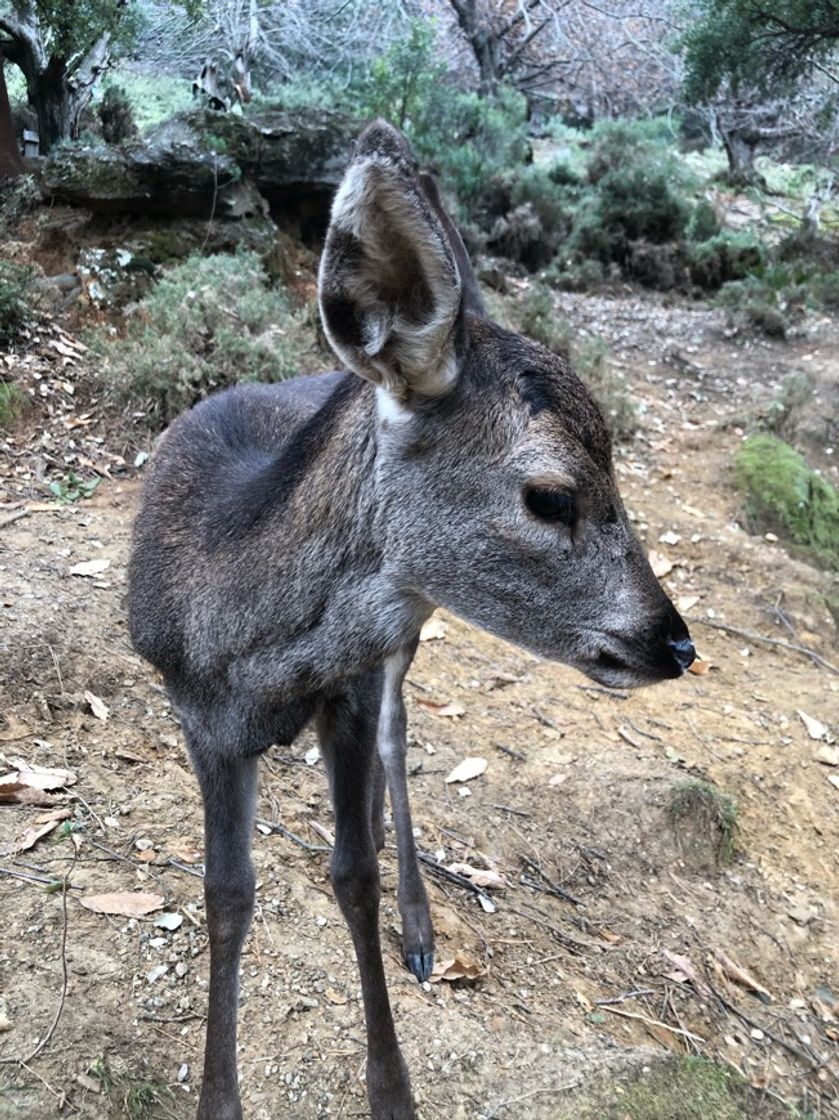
x=209, y=322
x=16, y=300
x=783, y=494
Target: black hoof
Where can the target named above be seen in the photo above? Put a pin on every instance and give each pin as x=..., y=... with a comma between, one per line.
x=420, y=964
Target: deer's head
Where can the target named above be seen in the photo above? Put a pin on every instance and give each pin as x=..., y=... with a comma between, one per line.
x=497, y=492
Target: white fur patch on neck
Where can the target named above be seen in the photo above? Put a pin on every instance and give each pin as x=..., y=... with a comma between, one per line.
x=389, y=409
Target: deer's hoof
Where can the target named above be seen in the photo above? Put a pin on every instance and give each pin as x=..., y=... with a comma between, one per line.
x=420, y=964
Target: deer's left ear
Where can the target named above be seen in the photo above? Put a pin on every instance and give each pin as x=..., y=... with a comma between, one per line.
x=389, y=286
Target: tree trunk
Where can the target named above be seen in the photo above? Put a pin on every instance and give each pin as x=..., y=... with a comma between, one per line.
x=11, y=163
x=52, y=98
x=741, y=149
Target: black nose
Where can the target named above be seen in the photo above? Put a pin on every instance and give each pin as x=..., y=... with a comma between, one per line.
x=683, y=652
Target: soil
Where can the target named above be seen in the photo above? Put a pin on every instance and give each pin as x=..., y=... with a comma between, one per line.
x=603, y=955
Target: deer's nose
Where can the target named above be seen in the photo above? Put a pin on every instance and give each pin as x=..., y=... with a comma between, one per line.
x=683, y=651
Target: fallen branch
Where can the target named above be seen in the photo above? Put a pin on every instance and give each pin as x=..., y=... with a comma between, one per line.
x=281, y=829
x=452, y=877
x=651, y=1022
x=751, y=636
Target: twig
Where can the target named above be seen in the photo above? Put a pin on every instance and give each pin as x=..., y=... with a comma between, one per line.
x=596, y=688
x=624, y=997
x=627, y=738
x=13, y=517
x=810, y=1059
x=38, y=879
x=517, y=755
x=184, y=867
x=546, y=884
x=453, y=877
x=651, y=1022
x=42, y=1043
x=275, y=826
x=510, y=809
x=526, y=1096
x=751, y=636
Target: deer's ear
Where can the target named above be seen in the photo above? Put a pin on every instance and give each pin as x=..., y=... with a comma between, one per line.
x=389, y=286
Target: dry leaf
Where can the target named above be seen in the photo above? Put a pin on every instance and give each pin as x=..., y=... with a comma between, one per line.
x=685, y=971
x=815, y=729
x=99, y=708
x=90, y=567
x=699, y=667
x=169, y=921
x=467, y=769
x=460, y=967
x=827, y=756
x=29, y=839
x=740, y=976
x=433, y=629
x=557, y=779
x=660, y=564
x=686, y=603
x=129, y=904
x=15, y=730
x=36, y=777
x=480, y=876
x=451, y=709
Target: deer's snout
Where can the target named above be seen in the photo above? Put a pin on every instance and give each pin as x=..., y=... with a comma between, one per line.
x=678, y=640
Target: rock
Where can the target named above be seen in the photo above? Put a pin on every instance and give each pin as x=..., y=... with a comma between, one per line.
x=201, y=164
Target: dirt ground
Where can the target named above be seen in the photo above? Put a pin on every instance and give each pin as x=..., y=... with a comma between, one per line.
x=612, y=894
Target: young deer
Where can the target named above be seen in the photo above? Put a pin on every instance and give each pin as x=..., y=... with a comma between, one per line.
x=293, y=538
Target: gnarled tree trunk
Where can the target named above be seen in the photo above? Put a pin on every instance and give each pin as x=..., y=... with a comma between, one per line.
x=11, y=163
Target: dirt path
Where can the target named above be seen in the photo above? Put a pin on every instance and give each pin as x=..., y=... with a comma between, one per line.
x=582, y=791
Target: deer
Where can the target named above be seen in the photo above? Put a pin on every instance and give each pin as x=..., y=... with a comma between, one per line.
x=293, y=538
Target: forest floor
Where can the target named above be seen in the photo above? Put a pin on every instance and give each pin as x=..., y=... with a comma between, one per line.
x=627, y=934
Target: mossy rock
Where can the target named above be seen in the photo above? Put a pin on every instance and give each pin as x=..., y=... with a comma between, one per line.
x=785, y=495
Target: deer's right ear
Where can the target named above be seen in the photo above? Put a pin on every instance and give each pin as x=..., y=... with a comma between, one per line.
x=389, y=286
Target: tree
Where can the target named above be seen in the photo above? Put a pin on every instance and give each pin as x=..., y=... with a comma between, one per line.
x=11, y=163
x=768, y=45
x=62, y=47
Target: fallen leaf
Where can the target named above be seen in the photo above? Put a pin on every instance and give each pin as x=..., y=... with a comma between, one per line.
x=815, y=729
x=687, y=602
x=36, y=777
x=90, y=567
x=433, y=629
x=460, y=967
x=15, y=730
x=740, y=976
x=336, y=997
x=501, y=680
x=686, y=971
x=129, y=904
x=699, y=667
x=29, y=839
x=185, y=850
x=480, y=876
x=557, y=779
x=451, y=709
x=833, y=779
x=468, y=769
x=660, y=564
x=827, y=756
x=99, y=708
x=169, y=920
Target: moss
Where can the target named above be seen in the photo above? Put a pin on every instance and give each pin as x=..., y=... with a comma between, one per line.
x=681, y=1089
x=705, y=824
x=784, y=495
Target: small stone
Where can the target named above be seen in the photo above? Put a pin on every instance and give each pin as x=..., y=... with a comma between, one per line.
x=142, y=843
x=155, y=973
x=183, y=1073
x=757, y=1034
x=771, y=537
x=181, y=969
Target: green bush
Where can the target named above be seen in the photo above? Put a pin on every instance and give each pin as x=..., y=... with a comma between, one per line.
x=783, y=494
x=16, y=299
x=770, y=300
x=13, y=403
x=703, y=223
x=724, y=257
x=209, y=322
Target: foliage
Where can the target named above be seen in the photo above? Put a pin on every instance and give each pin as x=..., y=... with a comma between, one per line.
x=13, y=402
x=116, y=116
x=703, y=223
x=16, y=297
x=783, y=494
x=764, y=44
x=729, y=255
x=467, y=138
x=20, y=196
x=69, y=27
x=152, y=99
x=769, y=300
x=73, y=488
x=209, y=322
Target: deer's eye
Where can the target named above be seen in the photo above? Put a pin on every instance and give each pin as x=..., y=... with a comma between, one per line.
x=556, y=506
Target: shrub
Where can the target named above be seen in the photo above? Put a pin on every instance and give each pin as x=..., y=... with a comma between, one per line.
x=726, y=256
x=13, y=403
x=535, y=316
x=16, y=299
x=703, y=223
x=209, y=322
x=116, y=116
x=783, y=494
x=19, y=197
x=770, y=300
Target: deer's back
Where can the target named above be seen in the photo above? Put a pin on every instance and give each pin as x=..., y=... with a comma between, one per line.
x=201, y=557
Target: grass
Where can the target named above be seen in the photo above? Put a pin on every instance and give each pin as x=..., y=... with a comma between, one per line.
x=705, y=823
x=16, y=299
x=783, y=494
x=680, y=1089
x=13, y=403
